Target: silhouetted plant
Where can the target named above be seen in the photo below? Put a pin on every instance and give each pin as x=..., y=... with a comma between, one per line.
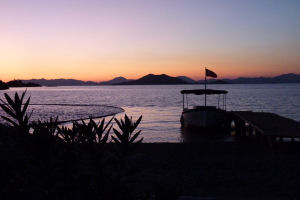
x=16, y=109
x=67, y=134
x=127, y=127
x=99, y=130
x=86, y=133
x=46, y=129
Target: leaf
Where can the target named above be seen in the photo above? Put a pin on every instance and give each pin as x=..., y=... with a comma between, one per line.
x=10, y=121
x=127, y=120
x=101, y=124
x=118, y=134
x=108, y=123
x=139, y=141
x=23, y=95
x=25, y=106
x=18, y=103
x=25, y=121
x=118, y=123
x=137, y=122
x=115, y=140
x=122, y=122
x=8, y=111
x=135, y=136
x=10, y=101
x=105, y=138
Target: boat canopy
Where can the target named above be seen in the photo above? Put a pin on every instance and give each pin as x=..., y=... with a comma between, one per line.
x=201, y=92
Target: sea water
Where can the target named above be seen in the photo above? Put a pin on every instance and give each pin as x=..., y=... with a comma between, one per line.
x=160, y=105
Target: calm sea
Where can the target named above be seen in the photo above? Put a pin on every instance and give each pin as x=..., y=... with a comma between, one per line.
x=160, y=105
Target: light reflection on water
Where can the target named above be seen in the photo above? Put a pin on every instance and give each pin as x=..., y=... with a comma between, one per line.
x=161, y=106
x=159, y=124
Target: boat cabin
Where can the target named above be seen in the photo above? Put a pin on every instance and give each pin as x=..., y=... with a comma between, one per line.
x=204, y=116
x=221, y=98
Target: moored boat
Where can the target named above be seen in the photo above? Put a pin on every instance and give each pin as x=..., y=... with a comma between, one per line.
x=206, y=117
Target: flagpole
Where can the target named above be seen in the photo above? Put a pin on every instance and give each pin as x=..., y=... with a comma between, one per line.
x=205, y=88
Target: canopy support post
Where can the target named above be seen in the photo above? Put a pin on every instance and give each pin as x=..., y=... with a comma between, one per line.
x=182, y=101
x=205, y=89
x=187, y=101
x=225, y=101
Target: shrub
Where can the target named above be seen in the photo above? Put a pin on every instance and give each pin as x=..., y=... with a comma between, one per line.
x=46, y=130
x=16, y=110
x=125, y=137
x=86, y=133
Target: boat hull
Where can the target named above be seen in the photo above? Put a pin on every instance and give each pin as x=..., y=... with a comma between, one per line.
x=201, y=118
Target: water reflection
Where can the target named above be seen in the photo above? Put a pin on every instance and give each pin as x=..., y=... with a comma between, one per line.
x=161, y=106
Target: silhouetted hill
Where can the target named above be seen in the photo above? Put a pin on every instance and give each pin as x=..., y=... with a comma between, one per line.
x=60, y=82
x=187, y=79
x=152, y=79
x=220, y=82
x=114, y=81
x=19, y=83
x=163, y=79
x=285, y=78
x=3, y=86
x=214, y=81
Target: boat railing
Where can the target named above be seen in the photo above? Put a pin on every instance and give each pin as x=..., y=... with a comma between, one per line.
x=222, y=98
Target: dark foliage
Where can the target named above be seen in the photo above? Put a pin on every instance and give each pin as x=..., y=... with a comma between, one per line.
x=86, y=133
x=125, y=136
x=57, y=162
x=16, y=110
x=46, y=131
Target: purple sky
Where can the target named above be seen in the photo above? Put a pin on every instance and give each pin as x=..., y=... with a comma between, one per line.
x=98, y=40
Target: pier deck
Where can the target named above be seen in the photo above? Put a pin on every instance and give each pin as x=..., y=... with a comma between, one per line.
x=268, y=126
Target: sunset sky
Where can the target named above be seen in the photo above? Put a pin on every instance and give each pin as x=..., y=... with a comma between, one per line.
x=98, y=40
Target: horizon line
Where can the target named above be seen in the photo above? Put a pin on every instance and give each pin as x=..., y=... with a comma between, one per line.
x=98, y=81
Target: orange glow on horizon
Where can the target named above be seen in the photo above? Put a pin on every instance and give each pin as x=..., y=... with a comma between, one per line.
x=99, y=74
x=95, y=41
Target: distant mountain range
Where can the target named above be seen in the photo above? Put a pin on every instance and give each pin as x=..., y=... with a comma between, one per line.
x=17, y=83
x=284, y=78
x=60, y=82
x=114, y=81
x=164, y=79
x=152, y=79
x=187, y=79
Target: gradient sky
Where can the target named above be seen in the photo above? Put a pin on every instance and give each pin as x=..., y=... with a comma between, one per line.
x=98, y=40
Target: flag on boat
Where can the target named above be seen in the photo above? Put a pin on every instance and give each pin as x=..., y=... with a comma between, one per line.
x=210, y=73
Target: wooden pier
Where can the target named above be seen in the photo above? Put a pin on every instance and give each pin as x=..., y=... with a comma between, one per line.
x=265, y=127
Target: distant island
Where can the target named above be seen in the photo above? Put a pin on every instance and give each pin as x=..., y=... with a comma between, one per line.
x=60, y=82
x=114, y=81
x=17, y=83
x=3, y=86
x=152, y=79
x=164, y=79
